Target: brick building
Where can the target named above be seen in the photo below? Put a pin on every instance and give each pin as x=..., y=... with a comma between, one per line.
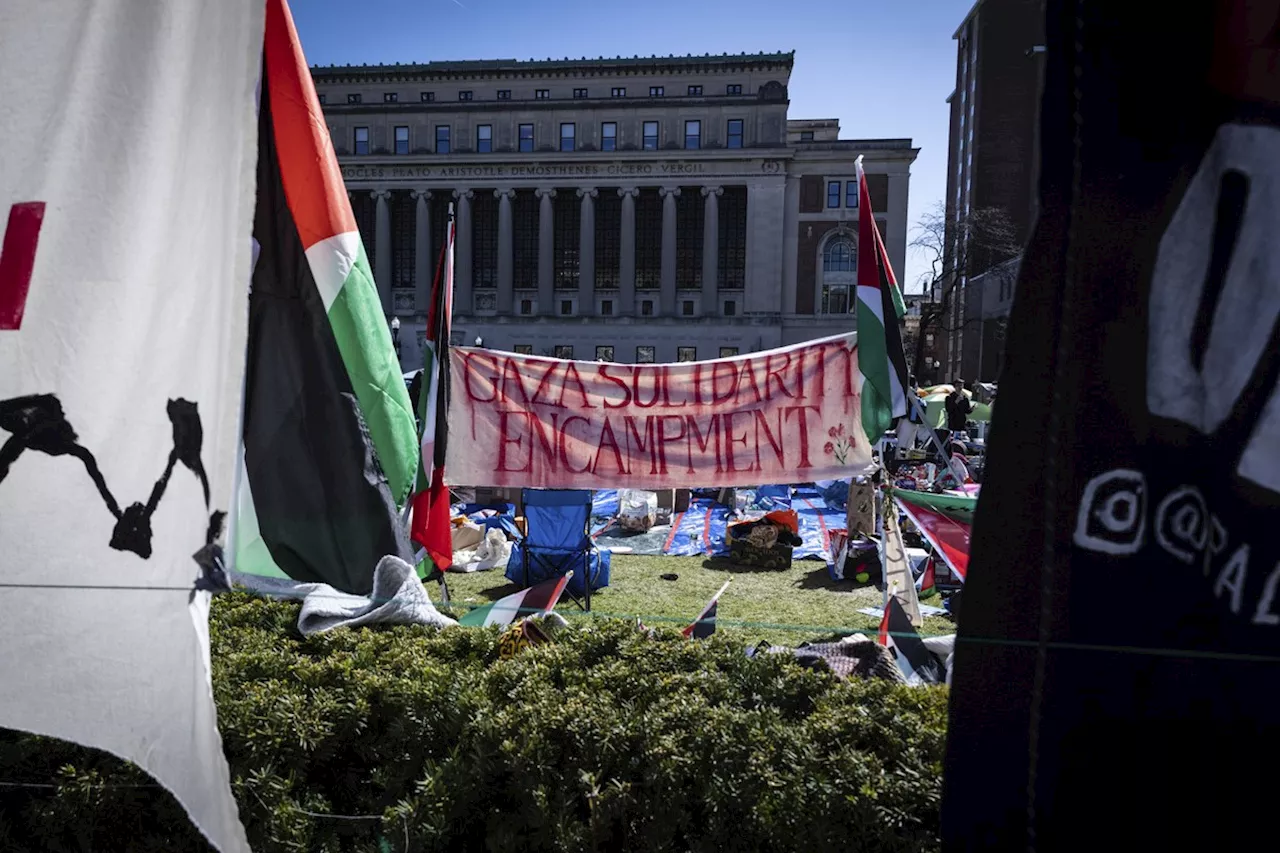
x=991, y=165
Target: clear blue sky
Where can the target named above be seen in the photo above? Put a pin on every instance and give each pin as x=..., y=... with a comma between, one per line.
x=883, y=68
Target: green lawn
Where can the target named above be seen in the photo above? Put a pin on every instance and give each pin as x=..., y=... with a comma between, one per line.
x=787, y=607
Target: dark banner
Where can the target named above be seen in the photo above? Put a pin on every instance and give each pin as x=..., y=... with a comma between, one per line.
x=1117, y=676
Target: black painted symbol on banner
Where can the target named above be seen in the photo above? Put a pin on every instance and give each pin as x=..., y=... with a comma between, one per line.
x=36, y=422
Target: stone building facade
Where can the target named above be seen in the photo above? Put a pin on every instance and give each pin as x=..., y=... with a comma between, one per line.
x=645, y=209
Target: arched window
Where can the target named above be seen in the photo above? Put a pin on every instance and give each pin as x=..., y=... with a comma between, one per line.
x=839, y=273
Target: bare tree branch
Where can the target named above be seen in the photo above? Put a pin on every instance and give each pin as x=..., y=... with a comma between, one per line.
x=977, y=243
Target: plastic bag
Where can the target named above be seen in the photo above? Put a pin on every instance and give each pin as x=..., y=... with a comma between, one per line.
x=637, y=510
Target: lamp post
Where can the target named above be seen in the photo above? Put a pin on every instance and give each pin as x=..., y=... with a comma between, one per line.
x=395, y=335
x=479, y=342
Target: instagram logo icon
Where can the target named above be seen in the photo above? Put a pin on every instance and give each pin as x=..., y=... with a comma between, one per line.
x=1113, y=513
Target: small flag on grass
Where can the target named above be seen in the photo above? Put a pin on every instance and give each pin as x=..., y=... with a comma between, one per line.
x=526, y=602
x=897, y=633
x=705, y=625
x=926, y=587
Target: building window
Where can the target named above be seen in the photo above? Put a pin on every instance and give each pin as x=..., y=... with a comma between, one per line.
x=806, y=136
x=526, y=138
x=524, y=249
x=604, y=353
x=733, y=89
x=728, y=352
x=402, y=140
x=564, y=351
x=504, y=94
x=833, y=193
x=650, y=136
x=566, y=211
x=645, y=355
x=390, y=97
x=695, y=91
x=364, y=210
x=690, y=211
x=523, y=349
x=354, y=99
x=403, y=209
x=686, y=353
x=362, y=140
x=851, y=194
x=618, y=92
x=606, y=307
x=646, y=307
x=608, y=240
x=322, y=99
x=693, y=134
x=442, y=139
x=526, y=307
x=734, y=137
x=465, y=96
x=928, y=339
x=484, y=241
x=730, y=307
x=568, y=132
x=609, y=136
x=484, y=138
x=686, y=307
x=579, y=93
x=648, y=240
x=566, y=307
x=839, y=274
x=426, y=97
x=732, y=270
x=657, y=91
x=542, y=94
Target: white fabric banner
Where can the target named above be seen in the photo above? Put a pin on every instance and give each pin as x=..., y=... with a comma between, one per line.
x=783, y=416
x=126, y=195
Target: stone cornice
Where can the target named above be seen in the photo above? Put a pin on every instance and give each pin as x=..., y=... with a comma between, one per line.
x=513, y=69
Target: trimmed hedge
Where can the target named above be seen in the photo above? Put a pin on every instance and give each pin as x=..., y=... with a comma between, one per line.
x=605, y=740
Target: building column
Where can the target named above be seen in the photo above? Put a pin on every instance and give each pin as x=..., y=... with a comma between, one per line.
x=667, y=299
x=506, y=252
x=791, y=244
x=424, y=268
x=462, y=302
x=546, y=246
x=765, y=202
x=895, y=230
x=382, y=249
x=587, y=252
x=711, y=251
x=627, y=263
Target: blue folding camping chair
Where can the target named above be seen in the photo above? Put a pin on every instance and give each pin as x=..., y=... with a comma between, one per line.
x=557, y=541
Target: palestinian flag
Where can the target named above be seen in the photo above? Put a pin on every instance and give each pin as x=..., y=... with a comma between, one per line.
x=430, y=527
x=526, y=602
x=914, y=658
x=926, y=587
x=880, y=311
x=705, y=625
x=329, y=442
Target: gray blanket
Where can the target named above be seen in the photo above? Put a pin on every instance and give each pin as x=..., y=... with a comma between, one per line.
x=398, y=598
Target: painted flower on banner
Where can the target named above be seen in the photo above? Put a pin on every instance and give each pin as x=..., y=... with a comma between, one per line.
x=841, y=444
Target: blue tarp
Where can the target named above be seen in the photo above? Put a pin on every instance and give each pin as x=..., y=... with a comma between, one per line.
x=604, y=503
x=700, y=530
x=816, y=518
x=486, y=516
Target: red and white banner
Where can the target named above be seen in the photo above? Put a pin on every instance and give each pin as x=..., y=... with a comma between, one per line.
x=782, y=416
